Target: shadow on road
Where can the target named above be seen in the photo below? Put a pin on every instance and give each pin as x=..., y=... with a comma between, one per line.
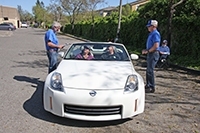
x=34, y=64
x=34, y=106
x=38, y=63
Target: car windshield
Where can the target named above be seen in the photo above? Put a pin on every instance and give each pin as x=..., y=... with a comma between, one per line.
x=97, y=51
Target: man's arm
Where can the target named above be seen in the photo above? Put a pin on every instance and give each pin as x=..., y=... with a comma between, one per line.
x=166, y=51
x=152, y=49
x=52, y=45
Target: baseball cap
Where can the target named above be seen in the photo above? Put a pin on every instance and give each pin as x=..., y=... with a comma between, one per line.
x=56, y=24
x=152, y=23
x=164, y=41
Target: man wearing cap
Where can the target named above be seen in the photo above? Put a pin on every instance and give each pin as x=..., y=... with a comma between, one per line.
x=52, y=46
x=164, y=51
x=152, y=52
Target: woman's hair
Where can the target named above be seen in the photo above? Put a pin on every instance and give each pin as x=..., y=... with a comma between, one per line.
x=84, y=48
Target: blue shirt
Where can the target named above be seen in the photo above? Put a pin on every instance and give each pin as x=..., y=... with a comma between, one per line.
x=50, y=36
x=154, y=37
x=165, y=49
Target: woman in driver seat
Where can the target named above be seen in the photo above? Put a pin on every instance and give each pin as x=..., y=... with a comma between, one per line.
x=85, y=54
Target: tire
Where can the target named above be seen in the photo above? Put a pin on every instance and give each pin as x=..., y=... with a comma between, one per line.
x=9, y=29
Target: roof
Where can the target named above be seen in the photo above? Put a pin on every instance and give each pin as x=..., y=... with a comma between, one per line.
x=111, y=8
x=138, y=2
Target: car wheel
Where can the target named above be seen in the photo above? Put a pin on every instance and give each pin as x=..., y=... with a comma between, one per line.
x=9, y=29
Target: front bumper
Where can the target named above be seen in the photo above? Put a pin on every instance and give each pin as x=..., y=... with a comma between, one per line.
x=105, y=105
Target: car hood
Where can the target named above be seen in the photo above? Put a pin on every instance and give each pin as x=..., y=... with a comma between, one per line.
x=95, y=74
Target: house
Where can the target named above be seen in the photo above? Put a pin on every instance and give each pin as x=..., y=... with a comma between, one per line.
x=107, y=11
x=9, y=14
x=136, y=4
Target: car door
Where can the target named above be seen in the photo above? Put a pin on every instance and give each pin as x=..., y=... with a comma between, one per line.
x=4, y=27
x=1, y=26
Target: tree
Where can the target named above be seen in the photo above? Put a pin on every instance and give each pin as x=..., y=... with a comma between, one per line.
x=126, y=10
x=73, y=8
x=20, y=10
x=172, y=6
x=39, y=11
x=91, y=5
x=56, y=11
x=27, y=16
x=24, y=15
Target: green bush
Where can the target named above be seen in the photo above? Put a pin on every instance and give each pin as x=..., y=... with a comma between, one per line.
x=185, y=45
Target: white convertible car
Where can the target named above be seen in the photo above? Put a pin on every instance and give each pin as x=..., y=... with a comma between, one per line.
x=103, y=87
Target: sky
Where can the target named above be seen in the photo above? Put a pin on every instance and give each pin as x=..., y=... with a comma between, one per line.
x=28, y=4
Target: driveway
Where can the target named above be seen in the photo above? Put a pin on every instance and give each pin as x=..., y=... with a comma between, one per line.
x=173, y=108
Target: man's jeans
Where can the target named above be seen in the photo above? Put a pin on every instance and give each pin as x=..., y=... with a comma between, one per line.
x=53, y=58
x=152, y=59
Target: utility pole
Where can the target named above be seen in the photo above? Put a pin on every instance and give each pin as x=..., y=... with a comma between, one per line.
x=119, y=21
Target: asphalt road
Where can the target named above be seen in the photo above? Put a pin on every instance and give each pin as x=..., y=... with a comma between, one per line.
x=173, y=108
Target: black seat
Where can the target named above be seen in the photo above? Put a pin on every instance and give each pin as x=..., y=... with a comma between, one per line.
x=163, y=63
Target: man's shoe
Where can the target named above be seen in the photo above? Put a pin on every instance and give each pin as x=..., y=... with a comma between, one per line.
x=146, y=87
x=149, y=90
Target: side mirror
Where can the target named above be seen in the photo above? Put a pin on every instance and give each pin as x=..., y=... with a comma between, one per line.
x=134, y=57
x=61, y=54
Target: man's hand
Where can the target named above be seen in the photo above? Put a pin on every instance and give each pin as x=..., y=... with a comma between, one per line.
x=161, y=52
x=144, y=51
x=61, y=46
x=50, y=44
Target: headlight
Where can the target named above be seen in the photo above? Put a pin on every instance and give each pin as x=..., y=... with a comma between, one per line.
x=56, y=81
x=131, y=84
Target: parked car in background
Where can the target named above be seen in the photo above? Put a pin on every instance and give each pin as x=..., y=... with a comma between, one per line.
x=24, y=25
x=105, y=87
x=36, y=25
x=10, y=24
x=7, y=26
